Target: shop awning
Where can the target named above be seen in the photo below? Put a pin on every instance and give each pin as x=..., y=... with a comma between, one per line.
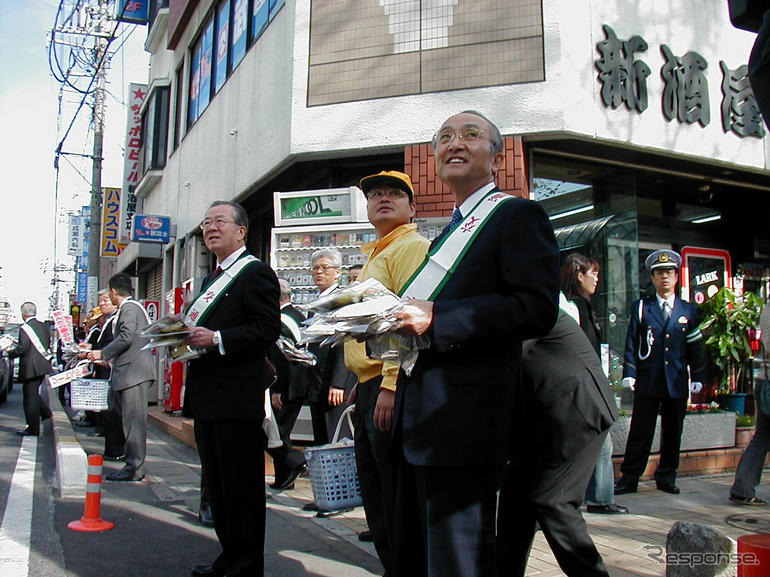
x=577, y=235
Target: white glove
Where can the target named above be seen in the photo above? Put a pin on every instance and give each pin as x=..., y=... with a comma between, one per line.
x=629, y=383
x=696, y=387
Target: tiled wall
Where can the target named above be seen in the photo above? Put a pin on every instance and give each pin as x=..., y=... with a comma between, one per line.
x=433, y=196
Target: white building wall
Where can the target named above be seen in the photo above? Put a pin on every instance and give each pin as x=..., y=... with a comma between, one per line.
x=259, y=122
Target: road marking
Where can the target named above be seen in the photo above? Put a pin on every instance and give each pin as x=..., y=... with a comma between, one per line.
x=16, y=528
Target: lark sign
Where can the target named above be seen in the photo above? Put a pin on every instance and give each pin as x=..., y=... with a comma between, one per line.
x=151, y=228
x=704, y=272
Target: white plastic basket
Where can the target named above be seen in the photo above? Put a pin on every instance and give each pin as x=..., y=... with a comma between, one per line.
x=333, y=472
x=90, y=394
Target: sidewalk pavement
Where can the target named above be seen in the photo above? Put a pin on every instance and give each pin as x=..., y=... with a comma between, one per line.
x=631, y=545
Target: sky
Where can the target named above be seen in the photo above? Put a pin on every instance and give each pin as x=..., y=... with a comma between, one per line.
x=32, y=127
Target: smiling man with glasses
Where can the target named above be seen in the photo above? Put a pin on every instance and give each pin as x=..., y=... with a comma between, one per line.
x=491, y=280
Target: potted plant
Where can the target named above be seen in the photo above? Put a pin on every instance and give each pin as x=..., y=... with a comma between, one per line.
x=745, y=426
x=726, y=321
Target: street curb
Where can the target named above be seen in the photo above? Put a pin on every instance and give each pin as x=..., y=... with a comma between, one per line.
x=71, y=459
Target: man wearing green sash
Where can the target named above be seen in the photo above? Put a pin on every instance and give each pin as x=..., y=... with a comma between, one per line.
x=491, y=281
x=236, y=318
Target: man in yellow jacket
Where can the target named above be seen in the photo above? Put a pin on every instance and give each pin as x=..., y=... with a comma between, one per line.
x=398, y=251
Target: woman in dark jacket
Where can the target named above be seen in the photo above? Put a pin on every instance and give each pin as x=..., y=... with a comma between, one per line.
x=580, y=279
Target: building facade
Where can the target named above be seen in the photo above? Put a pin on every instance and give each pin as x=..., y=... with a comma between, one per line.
x=634, y=125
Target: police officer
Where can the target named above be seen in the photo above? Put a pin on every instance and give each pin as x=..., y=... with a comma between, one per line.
x=662, y=341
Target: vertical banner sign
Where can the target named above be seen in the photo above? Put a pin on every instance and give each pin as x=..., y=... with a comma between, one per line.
x=132, y=161
x=63, y=324
x=82, y=286
x=110, y=245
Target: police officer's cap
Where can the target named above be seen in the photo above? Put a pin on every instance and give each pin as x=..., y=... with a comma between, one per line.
x=664, y=258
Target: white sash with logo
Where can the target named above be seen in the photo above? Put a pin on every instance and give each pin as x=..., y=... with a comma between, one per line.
x=137, y=303
x=35, y=340
x=290, y=323
x=215, y=290
x=443, y=258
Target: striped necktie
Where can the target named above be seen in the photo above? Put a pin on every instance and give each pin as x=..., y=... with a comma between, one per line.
x=666, y=310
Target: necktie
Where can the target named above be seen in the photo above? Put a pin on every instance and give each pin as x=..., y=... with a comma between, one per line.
x=217, y=272
x=457, y=216
x=666, y=311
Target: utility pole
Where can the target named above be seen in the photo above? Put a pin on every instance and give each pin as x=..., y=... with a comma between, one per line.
x=95, y=232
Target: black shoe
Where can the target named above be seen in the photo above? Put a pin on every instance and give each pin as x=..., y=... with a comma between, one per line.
x=366, y=536
x=115, y=459
x=126, y=475
x=27, y=433
x=288, y=482
x=753, y=501
x=622, y=488
x=611, y=509
x=667, y=487
x=206, y=571
x=331, y=512
x=205, y=517
x=310, y=507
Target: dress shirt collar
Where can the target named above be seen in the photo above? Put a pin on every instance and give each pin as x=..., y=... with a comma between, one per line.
x=475, y=198
x=670, y=300
x=231, y=258
x=330, y=290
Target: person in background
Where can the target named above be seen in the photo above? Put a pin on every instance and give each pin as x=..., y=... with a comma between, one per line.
x=567, y=400
x=491, y=281
x=133, y=371
x=749, y=472
x=353, y=273
x=663, y=341
x=111, y=420
x=287, y=394
x=34, y=351
x=580, y=279
x=330, y=382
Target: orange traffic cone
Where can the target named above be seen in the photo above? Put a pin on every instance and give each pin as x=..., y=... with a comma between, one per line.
x=91, y=519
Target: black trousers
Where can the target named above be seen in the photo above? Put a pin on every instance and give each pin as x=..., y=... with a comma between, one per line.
x=375, y=468
x=444, y=521
x=640, y=436
x=34, y=406
x=235, y=483
x=535, y=491
x=285, y=459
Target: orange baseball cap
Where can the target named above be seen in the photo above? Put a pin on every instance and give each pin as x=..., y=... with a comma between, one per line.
x=390, y=177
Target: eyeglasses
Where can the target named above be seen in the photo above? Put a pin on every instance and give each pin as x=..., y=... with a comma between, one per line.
x=323, y=268
x=389, y=192
x=467, y=134
x=217, y=222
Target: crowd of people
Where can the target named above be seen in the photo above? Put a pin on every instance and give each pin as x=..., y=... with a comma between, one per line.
x=514, y=346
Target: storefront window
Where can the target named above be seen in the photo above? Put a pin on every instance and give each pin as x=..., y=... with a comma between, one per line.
x=593, y=212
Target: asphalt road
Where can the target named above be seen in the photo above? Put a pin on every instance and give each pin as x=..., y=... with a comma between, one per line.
x=156, y=532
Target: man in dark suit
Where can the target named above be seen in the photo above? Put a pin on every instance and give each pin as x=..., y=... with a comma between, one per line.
x=565, y=411
x=133, y=371
x=662, y=342
x=236, y=318
x=490, y=282
x=34, y=350
x=287, y=394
